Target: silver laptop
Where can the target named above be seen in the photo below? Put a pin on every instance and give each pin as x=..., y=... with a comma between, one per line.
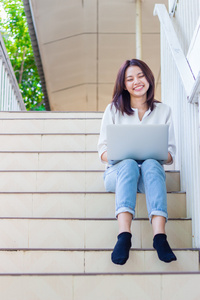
x=138, y=142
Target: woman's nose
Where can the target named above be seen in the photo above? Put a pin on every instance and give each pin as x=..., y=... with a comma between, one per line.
x=136, y=80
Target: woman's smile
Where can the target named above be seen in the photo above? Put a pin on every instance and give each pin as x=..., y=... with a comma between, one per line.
x=138, y=88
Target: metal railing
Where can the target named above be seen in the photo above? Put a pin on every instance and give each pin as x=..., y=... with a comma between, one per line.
x=10, y=96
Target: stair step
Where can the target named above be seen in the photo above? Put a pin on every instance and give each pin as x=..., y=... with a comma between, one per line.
x=48, y=142
x=50, y=161
x=90, y=261
x=78, y=205
x=65, y=181
x=48, y=115
x=86, y=233
x=101, y=286
x=45, y=125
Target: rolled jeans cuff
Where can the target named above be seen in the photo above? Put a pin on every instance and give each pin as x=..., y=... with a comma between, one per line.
x=125, y=209
x=158, y=213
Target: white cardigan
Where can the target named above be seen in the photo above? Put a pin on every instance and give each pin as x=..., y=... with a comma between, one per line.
x=160, y=115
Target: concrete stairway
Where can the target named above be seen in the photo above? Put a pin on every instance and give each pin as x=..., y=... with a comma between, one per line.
x=57, y=225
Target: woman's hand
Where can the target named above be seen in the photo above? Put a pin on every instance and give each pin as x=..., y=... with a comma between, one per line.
x=104, y=156
x=169, y=159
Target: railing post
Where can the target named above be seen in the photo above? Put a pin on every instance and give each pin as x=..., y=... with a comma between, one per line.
x=138, y=29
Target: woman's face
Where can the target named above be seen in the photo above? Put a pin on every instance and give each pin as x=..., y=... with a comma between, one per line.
x=136, y=83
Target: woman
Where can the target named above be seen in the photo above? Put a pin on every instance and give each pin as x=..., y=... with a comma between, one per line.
x=133, y=103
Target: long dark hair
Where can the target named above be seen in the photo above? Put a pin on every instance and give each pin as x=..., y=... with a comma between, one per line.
x=121, y=97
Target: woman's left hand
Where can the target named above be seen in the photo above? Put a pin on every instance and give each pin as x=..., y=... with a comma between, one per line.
x=169, y=159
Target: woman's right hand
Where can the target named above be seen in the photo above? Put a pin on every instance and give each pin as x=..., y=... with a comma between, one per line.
x=104, y=157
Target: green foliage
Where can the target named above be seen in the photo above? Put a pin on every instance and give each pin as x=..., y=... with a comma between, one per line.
x=14, y=30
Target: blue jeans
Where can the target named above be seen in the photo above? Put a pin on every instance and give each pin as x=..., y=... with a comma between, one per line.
x=126, y=178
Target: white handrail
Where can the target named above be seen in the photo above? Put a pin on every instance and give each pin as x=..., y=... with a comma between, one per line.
x=10, y=96
x=180, y=60
x=193, y=61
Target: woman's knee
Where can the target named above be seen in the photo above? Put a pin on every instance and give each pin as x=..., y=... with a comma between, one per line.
x=152, y=166
x=129, y=164
x=125, y=171
x=151, y=162
x=129, y=167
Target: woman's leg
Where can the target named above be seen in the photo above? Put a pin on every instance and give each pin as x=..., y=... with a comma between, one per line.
x=158, y=224
x=122, y=179
x=153, y=176
x=124, y=222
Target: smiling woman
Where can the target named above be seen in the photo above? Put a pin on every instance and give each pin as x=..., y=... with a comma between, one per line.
x=133, y=103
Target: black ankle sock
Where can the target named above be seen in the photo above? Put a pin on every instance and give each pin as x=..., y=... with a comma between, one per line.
x=120, y=253
x=164, y=251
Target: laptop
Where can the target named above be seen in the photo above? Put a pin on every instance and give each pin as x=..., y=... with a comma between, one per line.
x=138, y=142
